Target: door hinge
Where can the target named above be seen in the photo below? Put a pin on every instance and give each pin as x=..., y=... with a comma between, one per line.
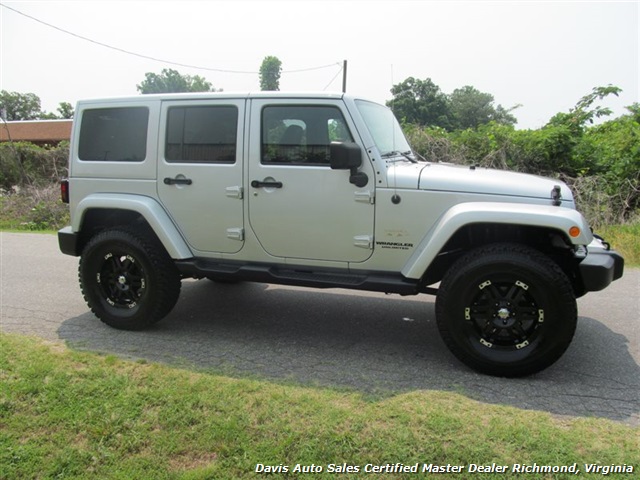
x=235, y=234
x=363, y=241
x=366, y=197
x=234, y=192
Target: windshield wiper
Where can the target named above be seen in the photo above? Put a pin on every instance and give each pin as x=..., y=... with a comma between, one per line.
x=395, y=153
x=419, y=157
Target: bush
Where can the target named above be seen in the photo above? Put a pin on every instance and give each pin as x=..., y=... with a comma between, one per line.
x=33, y=208
x=23, y=163
x=30, y=195
x=600, y=163
x=434, y=144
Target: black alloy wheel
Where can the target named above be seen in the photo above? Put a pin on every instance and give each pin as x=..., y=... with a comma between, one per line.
x=122, y=280
x=504, y=314
x=506, y=310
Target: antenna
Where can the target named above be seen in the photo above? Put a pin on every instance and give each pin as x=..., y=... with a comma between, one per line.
x=344, y=76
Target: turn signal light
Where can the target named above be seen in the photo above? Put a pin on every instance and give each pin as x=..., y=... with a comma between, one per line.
x=575, y=232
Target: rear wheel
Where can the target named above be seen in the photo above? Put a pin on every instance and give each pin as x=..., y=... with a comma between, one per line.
x=128, y=279
x=506, y=310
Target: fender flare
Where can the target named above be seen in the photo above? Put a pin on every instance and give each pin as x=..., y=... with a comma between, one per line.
x=463, y=214
x=147, y=207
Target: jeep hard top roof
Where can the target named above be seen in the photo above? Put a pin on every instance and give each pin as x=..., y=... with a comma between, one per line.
x=217, y=95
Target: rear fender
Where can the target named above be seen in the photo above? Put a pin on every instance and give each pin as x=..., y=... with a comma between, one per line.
x=147, y=207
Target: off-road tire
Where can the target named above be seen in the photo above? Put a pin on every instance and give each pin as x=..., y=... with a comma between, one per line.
x=506, y=310
x=128, y=279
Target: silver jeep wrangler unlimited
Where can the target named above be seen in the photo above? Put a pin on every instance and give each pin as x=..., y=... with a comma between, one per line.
x=321, y=190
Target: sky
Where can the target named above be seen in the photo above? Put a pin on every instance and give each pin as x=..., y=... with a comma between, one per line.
x=542, y=55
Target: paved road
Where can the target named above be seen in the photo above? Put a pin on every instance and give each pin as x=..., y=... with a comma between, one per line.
x=362, y=341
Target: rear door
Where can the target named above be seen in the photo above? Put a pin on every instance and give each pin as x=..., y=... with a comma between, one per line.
x=298, y=206
x=200, y=171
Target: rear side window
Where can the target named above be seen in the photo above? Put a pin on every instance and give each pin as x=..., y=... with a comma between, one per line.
x=114, y=134
x=205, y=134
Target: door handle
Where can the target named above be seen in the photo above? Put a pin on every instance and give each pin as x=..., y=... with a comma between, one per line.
x=259, y=184
x=177, y=181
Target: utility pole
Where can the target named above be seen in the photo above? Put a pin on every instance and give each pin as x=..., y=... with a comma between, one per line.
x=344, y=76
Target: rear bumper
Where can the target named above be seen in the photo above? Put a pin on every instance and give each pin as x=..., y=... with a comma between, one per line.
x=600, y=268
x=68, y=241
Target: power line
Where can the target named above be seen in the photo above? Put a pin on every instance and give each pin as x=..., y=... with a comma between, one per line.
x=334, y=77
x=147, y=57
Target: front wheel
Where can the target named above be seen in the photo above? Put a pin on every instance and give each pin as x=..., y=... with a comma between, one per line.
x=128, y=279
x=506, y=310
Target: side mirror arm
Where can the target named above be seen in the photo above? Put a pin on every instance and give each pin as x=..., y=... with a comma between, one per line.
x=359, y=179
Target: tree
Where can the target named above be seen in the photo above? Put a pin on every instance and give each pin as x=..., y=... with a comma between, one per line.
x=171, y=81
x=65, y=110
x=270, y=71
x=19, y=106
x=471, y=108
x=420, y=102
x=583, y=113
x=503, y=115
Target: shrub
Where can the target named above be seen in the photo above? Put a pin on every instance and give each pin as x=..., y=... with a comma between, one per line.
x=601, y=163
x=34, y=208
x=23, y=163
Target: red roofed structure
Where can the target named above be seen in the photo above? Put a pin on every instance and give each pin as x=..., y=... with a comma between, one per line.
x=40, y=132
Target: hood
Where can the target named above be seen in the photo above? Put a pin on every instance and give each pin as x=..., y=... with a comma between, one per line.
x=443, y=177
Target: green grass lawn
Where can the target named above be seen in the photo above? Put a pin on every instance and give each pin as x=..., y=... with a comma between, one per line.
x=65, y=414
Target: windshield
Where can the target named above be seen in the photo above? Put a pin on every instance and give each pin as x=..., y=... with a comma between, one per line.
x=384, y=128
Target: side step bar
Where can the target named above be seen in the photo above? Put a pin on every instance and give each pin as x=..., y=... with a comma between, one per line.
x=288, y=275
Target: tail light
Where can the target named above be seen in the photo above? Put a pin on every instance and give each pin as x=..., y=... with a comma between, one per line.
x=64, y=190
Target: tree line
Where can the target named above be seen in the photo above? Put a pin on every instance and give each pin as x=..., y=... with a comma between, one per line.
x=26, y=106
x=422, y=102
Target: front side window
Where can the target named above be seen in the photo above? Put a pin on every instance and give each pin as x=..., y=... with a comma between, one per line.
x=301, y=134
x=203, y=134
x=114, y=134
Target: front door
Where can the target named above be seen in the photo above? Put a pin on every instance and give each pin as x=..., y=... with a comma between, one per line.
x=298, y=206
x=200, y=171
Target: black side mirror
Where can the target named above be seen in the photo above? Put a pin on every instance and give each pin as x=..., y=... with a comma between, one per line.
x=345, y=155
x=348, y=156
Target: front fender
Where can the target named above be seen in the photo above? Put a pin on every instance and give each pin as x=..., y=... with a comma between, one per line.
x=150, y=209
x=458, y=216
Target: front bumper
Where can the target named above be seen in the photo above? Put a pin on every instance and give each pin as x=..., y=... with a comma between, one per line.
x=600, y=267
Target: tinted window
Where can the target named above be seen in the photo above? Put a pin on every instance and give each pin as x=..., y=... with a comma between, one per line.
x=202, y=134
x=301, y=134
x=114, y=134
